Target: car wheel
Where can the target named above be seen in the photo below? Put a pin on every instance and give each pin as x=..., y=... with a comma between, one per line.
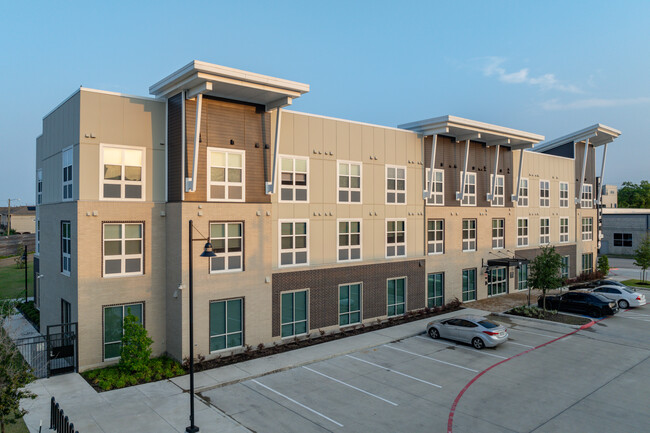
x=433, y=333
x=595, y=312
x=623, y=304
x=478, y=343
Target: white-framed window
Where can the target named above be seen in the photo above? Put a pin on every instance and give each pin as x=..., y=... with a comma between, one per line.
x=587, y=228
x=39, y=186
x=499, y=190
x=122, y=173
x=349, y=182
x=226, y=324
x=294, y=313
x=435, y=237
x=522, y=232
x=436, y=290
x=544, y=193
x=38, y=237
x=227, y=175
x=522, y=200
x=469, y=197
x=522, y=277
x=349, y=240
x=498, y=233
x=587, y=198
x=564, y=230
x=497, y=281
x=66, y=256
x=564, y=273
x=227, y=240
x=396, y=296
x=123, y=249
x=114, y=327
x=294, y=175
x=437, y=189
x=395, y=238
x=66, y=157
x=564, y=194
x=294, y=242
x=469, y=235
x=395, y=184
x=544, y=231
x=349, y=304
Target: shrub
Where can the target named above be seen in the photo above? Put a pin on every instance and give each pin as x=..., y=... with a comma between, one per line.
x=136, y=346
x=603, y=265
x=531, y=311
x=114, y=377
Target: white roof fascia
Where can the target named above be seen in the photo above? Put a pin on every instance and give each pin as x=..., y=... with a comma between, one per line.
x=602, y=133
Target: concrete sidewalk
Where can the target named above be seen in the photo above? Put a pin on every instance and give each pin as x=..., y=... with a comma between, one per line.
x=164, y=406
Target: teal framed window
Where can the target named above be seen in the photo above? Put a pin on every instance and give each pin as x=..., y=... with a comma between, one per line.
x=469, y=285
x=226, y=324
x=587, y=263
x=435, y=290
x=349, y=304
x=522, y=277
x=294, y=313
x=497, y=281
x=396, y=296
x=565, y=267
x=114, y=326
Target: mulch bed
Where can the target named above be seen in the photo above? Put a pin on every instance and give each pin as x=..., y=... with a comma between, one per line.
x=559, y=317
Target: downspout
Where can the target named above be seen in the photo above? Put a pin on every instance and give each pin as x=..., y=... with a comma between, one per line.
x=270, y=186
x=190, y=183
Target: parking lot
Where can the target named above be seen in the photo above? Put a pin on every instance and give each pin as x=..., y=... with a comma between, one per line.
x=596, y=379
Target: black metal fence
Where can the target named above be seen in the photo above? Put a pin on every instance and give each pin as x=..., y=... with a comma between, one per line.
x=58, y=420
x=53, y=353
x=34, y=352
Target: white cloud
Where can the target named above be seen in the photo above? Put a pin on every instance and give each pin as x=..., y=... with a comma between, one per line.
x=546, y=82
x=556, y=105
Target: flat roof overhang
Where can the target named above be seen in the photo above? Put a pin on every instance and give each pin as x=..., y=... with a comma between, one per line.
x=222, y=82
x=597, y=134
x=464, y=129
x=506, y=261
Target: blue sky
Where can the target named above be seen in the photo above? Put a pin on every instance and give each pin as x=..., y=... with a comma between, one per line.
x=548, y=67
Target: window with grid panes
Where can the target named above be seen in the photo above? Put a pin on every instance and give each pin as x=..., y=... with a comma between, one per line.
x=395, y=185
x=396, y=304
x=522, y=232
x=498, y=233
x=122, y=173
x=565, y=267
x=227, y=240
x=436, y=188
x=469, y=197
x=226, y=177
x=564, y=230
x=499, y=190
x=435, y=236
x=294, y=313
x=435, y=290
x=114, y=326
x=544, y=193
x=293, y=243
x=587, y=198
x=349, y=304
x=622, y=239
x=293, y=179
x=469, y=235
x=66, y=157
x=395, y=238
x=522, y=277
x=349, y=182
x=564, y=194
x=588, y=263
x=469, y=285
x=544, y=231
x=497, y=281
x=587, y=229
x=39, y=186
x=349, y=240
x=122, y=249
x=522, y=200
x=226, y=324
x=66, y=256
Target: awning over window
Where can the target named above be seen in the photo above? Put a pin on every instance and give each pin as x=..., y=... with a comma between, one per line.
x=507, y=262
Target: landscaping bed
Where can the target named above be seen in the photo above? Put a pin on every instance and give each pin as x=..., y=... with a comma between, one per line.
x=113, y=377
x=637, y=283
x=30, y=313
x=550, y=315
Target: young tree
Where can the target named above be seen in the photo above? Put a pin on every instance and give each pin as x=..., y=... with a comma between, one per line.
x=15, y=373
x=136, y=346
x=545, y=271
x=642, y=255
x=603, y=265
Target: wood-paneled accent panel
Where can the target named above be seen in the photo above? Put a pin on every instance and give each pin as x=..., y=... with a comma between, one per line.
x=175, y=148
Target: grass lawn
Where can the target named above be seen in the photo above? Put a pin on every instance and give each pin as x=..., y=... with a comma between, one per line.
x=637, y=283
x=12, y=280
x=18, y=427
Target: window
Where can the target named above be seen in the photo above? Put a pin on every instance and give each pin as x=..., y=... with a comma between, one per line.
x=294, y=313
x=294, y=243
x=587, y=263
x=395, y=238
x=498, y=233
x=349, y=240
x=122, y=249
x=622, y=239
x=396, y=296
x=522, y=277
x=114, y=326
x=469, y=198
x=349, y=304
x=437, y=188
x=523, y=193
x=522, y=232
x=469, y=285
x=38, y=236
x=228, y=244
x=66, y=157
x=293, y=186
x=565, y=267
x=469, y=235
x=435, y=236
x=587, y=196
x=39, y=186
x=349, y=182
x=226, y=324
x=564, y=194
x=395, y=185
x=587, y=229
x=544, y=193
x=544, y=231
x=435, y=290
x=497, y=281
x=564, y=230
x=226, y=181
x=499, y=190
x=123, y=173
x=66, y=261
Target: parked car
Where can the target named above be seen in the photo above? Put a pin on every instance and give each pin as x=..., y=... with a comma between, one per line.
x=624, y=296
x=596, y=283
x=593, y=304
x=476, y=330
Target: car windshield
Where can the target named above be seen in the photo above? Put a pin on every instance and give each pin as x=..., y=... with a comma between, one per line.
x=488, y=324
x=601, y=297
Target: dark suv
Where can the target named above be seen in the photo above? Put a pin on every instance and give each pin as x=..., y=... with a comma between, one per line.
x=580, y=302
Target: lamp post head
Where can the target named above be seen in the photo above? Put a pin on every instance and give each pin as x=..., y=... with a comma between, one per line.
x=207, y=251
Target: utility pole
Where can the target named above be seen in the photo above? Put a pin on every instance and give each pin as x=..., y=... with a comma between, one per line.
x=25, y=255
x=9, y=217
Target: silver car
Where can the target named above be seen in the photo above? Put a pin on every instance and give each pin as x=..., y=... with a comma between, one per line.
x=476, y=330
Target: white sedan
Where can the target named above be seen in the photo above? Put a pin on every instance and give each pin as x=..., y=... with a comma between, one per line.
x=625, y=296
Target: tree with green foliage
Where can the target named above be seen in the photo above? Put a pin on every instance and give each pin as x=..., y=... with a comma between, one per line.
x=545, y=271
x=603, y=265
x=136, y=346
x=15, y=373
x=642, y=255
x=632, y=195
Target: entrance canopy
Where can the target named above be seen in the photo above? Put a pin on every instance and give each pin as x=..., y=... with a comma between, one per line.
x=507, y=262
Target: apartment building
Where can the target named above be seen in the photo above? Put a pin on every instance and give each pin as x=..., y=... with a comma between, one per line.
x=317, y=223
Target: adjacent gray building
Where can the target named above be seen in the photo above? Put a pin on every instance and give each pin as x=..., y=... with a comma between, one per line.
x=623, y=230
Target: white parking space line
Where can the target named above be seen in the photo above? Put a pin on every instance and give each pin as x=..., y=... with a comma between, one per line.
x=432, y=359
x=448, y=343
x=351, y=386
x=519, y=344
x=529, y=332
x=393, y=371
x=642, y=319
x=299, y=404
